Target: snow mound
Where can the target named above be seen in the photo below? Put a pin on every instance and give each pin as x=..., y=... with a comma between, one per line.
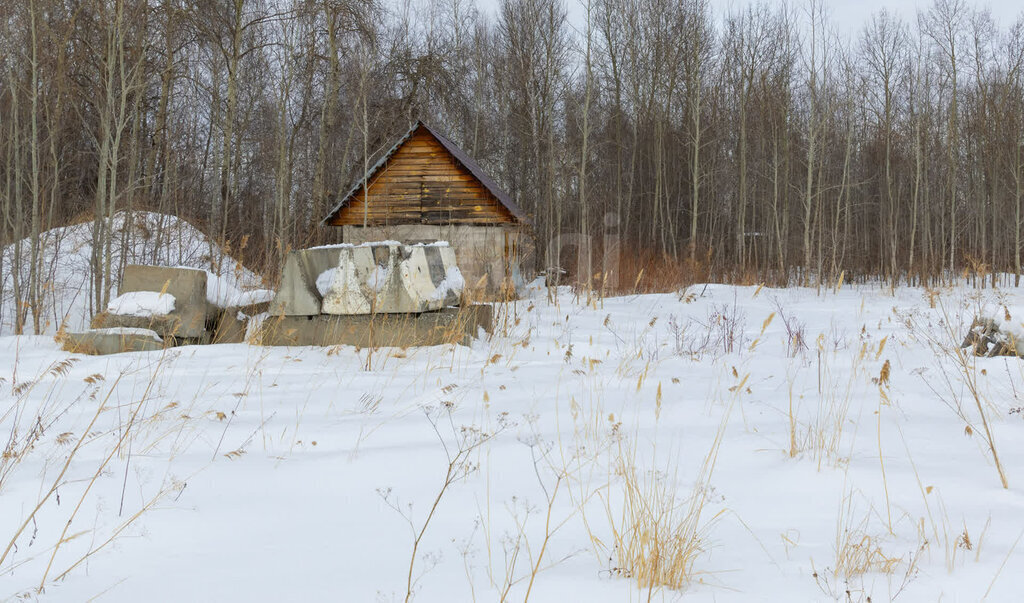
x=1008, y=319
x=142, y=303
x=148, y=238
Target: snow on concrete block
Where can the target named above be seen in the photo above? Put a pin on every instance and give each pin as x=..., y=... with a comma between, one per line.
x=222, y=293
x=142, y=303
x=186, y=285
x=353, y=285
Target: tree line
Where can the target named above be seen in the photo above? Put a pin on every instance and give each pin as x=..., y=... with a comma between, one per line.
x=758, y=143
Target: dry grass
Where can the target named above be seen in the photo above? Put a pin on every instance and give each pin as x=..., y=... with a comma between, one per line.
x=822, y=435
x=860, y=551
x=658, y=537
x=857, y=551
x=959, y=371
x=88, y=434
x=25, y=426
x=460, y=449
x=647, y=271
x=40, y=409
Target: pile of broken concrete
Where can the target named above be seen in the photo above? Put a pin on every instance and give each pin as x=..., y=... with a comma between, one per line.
x=160, y=307
x=369, y=295
x=987, y=337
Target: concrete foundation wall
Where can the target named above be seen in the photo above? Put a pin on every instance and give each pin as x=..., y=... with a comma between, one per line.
x=450, y=325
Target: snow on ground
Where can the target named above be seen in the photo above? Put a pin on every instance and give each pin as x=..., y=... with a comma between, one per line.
x=851, y=458
x=142, y=303
x=150, y=238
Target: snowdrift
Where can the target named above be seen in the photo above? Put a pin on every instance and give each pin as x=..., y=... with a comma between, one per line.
x=149, y=238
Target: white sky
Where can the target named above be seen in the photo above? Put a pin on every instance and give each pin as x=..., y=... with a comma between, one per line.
x=847, y=15
x=851, y=15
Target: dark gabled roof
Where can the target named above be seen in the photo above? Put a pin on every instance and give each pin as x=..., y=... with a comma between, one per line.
x=460, y=156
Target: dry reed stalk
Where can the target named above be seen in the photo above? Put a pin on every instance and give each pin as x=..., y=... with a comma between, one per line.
x=60, y=476
x=967, y=372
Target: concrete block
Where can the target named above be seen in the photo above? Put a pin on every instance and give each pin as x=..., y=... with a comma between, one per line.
x=372, y=278
x=188, y=287
x=391, y=279
x=297, y=294
x=99, y=342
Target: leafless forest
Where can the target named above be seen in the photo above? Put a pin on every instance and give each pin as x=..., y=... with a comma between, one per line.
x=759, y=144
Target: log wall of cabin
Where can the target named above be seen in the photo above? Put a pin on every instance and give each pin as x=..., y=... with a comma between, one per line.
x=423, y=184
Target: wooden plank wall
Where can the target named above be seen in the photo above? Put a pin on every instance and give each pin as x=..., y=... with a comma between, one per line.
x=423, y=184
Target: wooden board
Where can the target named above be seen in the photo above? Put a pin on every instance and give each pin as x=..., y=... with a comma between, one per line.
x=422, y=183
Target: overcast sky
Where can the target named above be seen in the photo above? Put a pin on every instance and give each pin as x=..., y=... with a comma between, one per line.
x=848, y=15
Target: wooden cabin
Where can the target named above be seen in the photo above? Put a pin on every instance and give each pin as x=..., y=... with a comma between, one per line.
x=425, y=189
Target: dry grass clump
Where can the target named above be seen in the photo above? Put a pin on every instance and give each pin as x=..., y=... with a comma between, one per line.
x=659, y=538
x=822, y=435
x=859, y=553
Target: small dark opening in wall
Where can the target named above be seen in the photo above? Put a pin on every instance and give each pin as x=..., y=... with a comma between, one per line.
x=309, y=318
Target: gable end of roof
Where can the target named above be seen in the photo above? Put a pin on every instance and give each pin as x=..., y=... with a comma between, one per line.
x=457, y=153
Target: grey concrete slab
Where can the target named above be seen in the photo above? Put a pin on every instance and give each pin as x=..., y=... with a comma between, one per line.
x=99, y=342
x=297, y=294
x=188, y=287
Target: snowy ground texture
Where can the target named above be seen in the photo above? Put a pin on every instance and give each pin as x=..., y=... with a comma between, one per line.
x=847, y=453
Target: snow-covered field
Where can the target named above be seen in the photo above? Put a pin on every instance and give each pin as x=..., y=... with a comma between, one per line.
x=754, y=444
